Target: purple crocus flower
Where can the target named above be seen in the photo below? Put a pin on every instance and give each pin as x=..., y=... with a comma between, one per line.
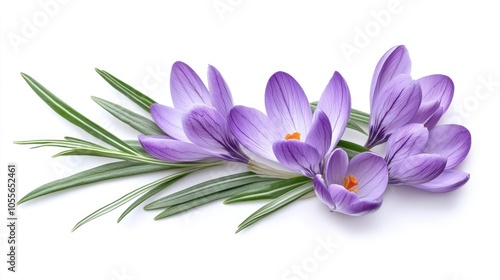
x=425, y=159
x=290, y=133
x=353, y=188
x=197, y=125
x=396, y=99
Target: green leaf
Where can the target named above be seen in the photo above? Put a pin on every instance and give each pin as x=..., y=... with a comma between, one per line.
x=96, y=174
x=178, y=208
x=269, y=190
x=351, y=148
x=206, y=188
x=134, y=120
x=129, y=196
x=136, y=96
x=354, y=126
x=275, y=205
x=67, y=112
x=359, y=116
x=67, y=143
x=143, y=158
x=141, y=199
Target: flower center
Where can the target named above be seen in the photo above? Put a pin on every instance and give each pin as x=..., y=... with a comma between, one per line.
x=350, y=182
x=292, y=136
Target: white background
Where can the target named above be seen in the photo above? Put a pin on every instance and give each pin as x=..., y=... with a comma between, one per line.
x=414, y=235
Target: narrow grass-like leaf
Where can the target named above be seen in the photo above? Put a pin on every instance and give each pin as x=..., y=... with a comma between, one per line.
x=70, y=114
x=270, y=190
x=359, y=116
x=359, y=113
x=354, y=126
x=134, y=120
x=136, y=96
x=143, y=198
x=96, y=174
x=172, y=210
x=72, y=144
x=352, y=146
x=206, y=188
x=146, y=159
x=81, y=142
x=129, y=196
x=275, y=205
x=352, y=149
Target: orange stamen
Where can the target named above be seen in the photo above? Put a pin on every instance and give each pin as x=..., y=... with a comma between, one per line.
x=293, y=136
x=350, y=183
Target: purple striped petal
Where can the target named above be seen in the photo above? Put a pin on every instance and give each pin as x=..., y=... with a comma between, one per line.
x=448, y=181
x=395, y=61
x=434, y=119
x=254, y=131
x=451, y=141
x=346, y=202
x=370, y=171
x=173, y=150
x=287, y=105
x=321, y=190
x=394, y=107
x=169, y=120
x=417, y=169
x=320, y=135
x=435, y=89
x=336, y=165
x=220, y=95
x=335, y=102
x=186, y=87
x=298, y=156
x=207, y=128
x=406, y=141
x=425, y=111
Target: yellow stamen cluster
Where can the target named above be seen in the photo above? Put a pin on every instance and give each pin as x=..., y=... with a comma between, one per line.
x=292, y=136
x=350, y=183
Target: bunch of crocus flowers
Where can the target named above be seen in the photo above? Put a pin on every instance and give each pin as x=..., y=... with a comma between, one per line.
x=292, y=149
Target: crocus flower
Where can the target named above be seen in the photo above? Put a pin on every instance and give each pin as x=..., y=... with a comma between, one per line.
x=425, y=159
x=396, y=99
x=197, y=125
x=353, y=188
x=290, y=133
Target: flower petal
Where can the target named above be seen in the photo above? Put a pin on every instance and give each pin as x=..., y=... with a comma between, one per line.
x=321, y=190
x=417, y=169
x=395, y=61
x=451, y=141
x=362, y=207
x=298, y=156
x=320, y=135
x=406, y=141
x=287, y=105
x=425, y=111
x=448, y=181
x=396, y=105
x=370, y=171
x=186, y=87
x=173, y=150
x=435, y=89
x=207, y=128
x=348, y=203
x=220, y=95
x=335, y=102
x=434, y=119
x=253, y=130
x=169, y=120
x=336, y=165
